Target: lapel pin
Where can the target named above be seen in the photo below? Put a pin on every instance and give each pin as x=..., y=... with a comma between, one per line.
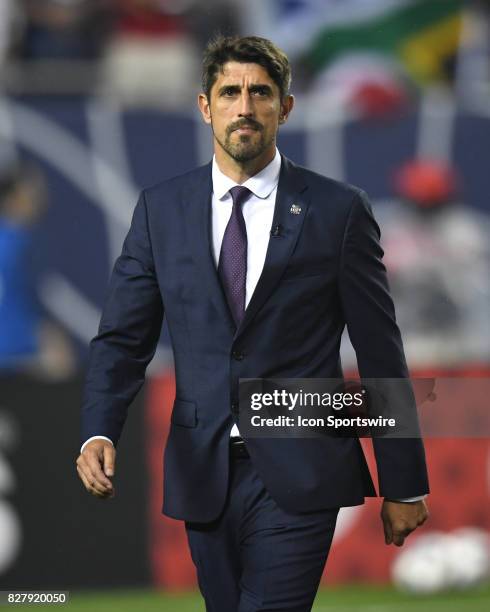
x=295, y=209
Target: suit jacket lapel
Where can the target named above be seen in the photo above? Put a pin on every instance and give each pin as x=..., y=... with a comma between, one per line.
x=291, y=191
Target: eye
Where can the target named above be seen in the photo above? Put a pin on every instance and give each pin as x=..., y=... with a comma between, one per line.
x=229, y=91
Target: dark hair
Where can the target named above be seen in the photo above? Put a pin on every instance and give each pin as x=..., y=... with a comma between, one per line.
x=246, y=49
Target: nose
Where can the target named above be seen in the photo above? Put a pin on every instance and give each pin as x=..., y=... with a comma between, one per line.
x=245, y=109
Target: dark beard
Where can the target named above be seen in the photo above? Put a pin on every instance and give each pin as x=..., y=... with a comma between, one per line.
x=239, y=151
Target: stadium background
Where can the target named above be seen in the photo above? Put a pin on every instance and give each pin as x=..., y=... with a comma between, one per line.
x=406, y=118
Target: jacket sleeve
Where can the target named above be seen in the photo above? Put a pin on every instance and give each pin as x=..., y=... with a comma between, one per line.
x=370, y=317
x=127, y=336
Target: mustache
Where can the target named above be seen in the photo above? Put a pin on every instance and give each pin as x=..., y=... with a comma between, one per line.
x=248, y=123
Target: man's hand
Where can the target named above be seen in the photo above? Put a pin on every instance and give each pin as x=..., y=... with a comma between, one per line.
x=401, y=518
x=95, y=466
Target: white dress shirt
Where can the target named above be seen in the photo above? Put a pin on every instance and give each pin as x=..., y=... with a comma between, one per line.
x=258, y=211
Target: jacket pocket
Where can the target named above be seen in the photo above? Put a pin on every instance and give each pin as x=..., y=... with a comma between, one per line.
x=293, y=277
x=184, y=413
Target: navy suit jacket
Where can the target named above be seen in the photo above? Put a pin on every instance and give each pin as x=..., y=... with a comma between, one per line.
x=324, y=270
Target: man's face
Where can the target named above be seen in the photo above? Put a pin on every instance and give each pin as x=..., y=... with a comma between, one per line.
x=244, y=110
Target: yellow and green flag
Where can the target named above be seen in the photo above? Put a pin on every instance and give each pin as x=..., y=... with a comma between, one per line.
x=422, y=34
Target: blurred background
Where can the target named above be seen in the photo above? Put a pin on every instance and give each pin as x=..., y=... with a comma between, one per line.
x=97, y=100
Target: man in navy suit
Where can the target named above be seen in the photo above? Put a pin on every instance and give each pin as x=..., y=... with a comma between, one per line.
x=258, y=265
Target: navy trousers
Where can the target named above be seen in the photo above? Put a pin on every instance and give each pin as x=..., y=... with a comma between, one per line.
x=256, y=557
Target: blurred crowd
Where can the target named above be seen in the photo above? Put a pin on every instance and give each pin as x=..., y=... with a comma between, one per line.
x=371, y=55
x=139, y=50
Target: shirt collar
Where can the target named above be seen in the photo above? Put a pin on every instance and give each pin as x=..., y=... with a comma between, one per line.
x=261, y=184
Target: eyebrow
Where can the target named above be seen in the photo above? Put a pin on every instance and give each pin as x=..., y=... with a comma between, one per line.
x=252, y=88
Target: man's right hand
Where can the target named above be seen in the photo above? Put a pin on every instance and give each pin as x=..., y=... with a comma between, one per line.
x=95, y=466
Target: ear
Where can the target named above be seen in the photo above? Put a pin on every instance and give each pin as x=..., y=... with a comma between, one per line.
x=286, y=107
x=204, y=107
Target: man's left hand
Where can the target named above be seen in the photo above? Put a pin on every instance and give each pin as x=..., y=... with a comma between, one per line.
x=401, y=518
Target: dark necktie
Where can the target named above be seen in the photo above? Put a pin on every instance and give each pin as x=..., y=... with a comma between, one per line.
x=232, y=266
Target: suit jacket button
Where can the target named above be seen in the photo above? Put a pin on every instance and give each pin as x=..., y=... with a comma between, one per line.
x=234, y=407
x=237, y=355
